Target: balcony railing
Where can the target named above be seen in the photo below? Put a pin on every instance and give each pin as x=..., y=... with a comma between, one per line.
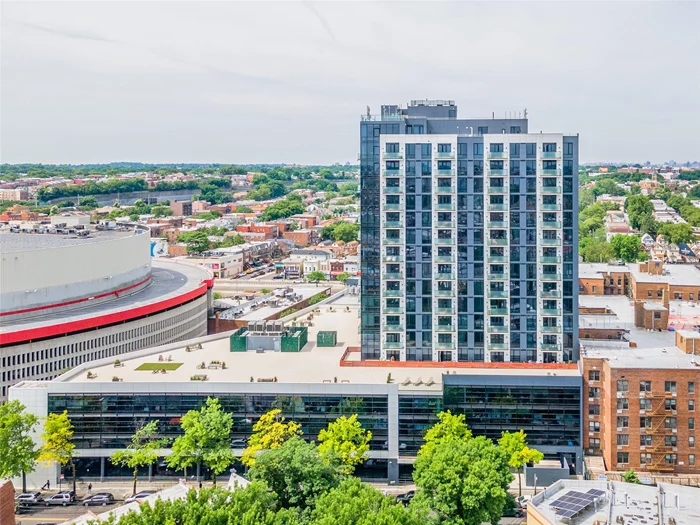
x=444, y=242
x=392, y=310
x=550, y=224
x=445, y=155
x=497, y=224
x=550, y=347
x=445, y=189
x=550, y=311
x=497, y=294
x=392, y=190
x=392, y=344
x=497, y=190
x=392, y=240
x=550, y=277
x=550, y=207
x=444, y=346
x=550, y=329
x=446, y=173
x=498, y=311
x=497, y=346
x=550, y=294
x=445, y=207
x=445, y=276
x=550, y=190
x=551, y=154
x=445, y=311
x=392, y=258
x=497, y=155
x=498, y=242
x=392, y=224
x=445, y=328
x=496, y=258
x=393, y=155
x=496, y=276
x=392, y=275
x=550, y=242
x=551, y=173
x=550, y=260
x=391, y=173
x=445, y=224
x=444, y=293
x=392, y=327
x=497, y=329
x=497, y=207
x=392, y=207
x=444, y=258
x=392, y=293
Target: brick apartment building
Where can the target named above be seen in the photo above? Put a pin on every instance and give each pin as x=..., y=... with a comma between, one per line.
x=304, y=237
x=258, y=232
x=181, y=208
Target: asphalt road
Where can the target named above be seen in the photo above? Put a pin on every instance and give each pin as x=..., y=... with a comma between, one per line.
x=58, y=514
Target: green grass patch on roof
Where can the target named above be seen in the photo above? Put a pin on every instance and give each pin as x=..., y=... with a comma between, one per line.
x=159, y=366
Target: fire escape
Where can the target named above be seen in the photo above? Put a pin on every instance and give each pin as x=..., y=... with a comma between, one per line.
x=658, y=431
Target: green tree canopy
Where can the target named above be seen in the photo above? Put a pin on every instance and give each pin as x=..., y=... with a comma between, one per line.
x=282, y=209
x=269, y=432
x=296, y=472
x=197, y=241
x=18, y=450
x=448, y=428
x=346, y=440
x=57, y=441
x=205, y=439
x=514, y=444
x=638, y=208
x=630, y=476
x=627, y=247
x=676, y=233
x=316, y=276
x=142, y=451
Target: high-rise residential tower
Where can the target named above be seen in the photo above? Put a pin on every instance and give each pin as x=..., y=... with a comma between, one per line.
x=469, y=238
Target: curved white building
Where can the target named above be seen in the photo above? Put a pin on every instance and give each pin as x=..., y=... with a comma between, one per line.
x=67, y=299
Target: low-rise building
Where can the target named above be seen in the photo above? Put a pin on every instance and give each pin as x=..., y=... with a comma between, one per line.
x=304, y=237
x=15, y=194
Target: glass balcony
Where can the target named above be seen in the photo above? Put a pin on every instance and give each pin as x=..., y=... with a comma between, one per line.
x=498, y=276
x=445, y=155
x=550, y=190
x=392, y=207
x=392, y=310
x=392, y=275
x=497, y=224
x=550, y=207
x=392, y=258
x=550, y=329
x=498, y=329
x=444, y=258
x=551, y=154
x=444, y=293
x=550, y=224
x=497, y=294
x=551, y=294
x=497, y=346
x=445, y=328
x=550, y=347
x=444, y=346
x=555, y=172
x=392, y=344
x=497, y=207
x=550, y=260
x=392, y=240
x=392, y=190
x=550, y=242
x=550, y=277
x=391, y=173
x=497, y=155
x=392, y=328
x=445, y=224
x=444, y=276
x=550, y=311
x=445, y=207
x=392, y=293
x=497, y=190
x=393, y=155
x=496, y=258
x=392, y=224
x=444, y=242
x=498, y=311
x=445, y=173
x=445, y=189
x=496, y=172
x=445, y=311
x=498, y=242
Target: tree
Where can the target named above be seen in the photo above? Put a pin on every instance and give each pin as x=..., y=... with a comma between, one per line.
x=519, y=454
x=626, y=247
x=58, y=443
x=315, y=276
x=630, y=476
x=449, y=427
x=142, y=451
x=346, y=440
x=676, y=233
x=243, y=209
x=638, y=207
x=649, y=225
x=269, y=432
x=462, y=482
x=197, y=242
x=296, y=472
x=18, y=450
x=343, y=277
x=356, y=503
x=594, y=248
x=88, y=202
x=346, y=232
x=205, y=440
x=231, y=240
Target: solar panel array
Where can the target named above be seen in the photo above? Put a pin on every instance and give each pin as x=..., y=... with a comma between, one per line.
x=574, y=502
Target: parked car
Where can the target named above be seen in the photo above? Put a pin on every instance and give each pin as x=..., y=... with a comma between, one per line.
x=101, y=498
x=30, y=498
x=62, y=498
x=405, y=498
x=22, y=508
x=279, y=276
x=140, y=495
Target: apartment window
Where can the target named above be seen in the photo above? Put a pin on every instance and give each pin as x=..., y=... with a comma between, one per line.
x=392, y=147
x=671, y=441
x=478, y=150
x=515, y=129
x=670, y=422
x=623, y=457
x=691, y=405
x=648, y=293
x=691, y=460
x=549, y=147
x=444, y=148
x=410, y=151
x=623, y=422
x=594, y=426
x=623, y=403
x=645, y=386
x=568, y=148
x=594, y=375
x=531, y=149
x=670, y=404
x=645, y=458
x=645, y=422
x=623, y=386
x=623, y=439
x=691, y=387
x=594, y=443
x=593, y=410
x=669, y=386
x=691, y=423
x=593, y=393
x=645, y=440
x=691, y=441
x=671, y=459
x=425, y=151
x=515, y=150
x=595, y=288
x=482, y=130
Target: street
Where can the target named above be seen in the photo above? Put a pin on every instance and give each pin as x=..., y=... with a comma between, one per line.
x=58, y=514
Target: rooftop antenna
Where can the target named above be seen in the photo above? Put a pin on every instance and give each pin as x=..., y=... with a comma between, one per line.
x=525, y=113
x=368, y=112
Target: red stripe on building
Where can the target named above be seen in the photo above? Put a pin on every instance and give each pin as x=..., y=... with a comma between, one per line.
x=77, y=301
x=25, y=336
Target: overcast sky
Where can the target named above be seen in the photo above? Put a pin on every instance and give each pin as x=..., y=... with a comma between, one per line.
x=272, y=82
